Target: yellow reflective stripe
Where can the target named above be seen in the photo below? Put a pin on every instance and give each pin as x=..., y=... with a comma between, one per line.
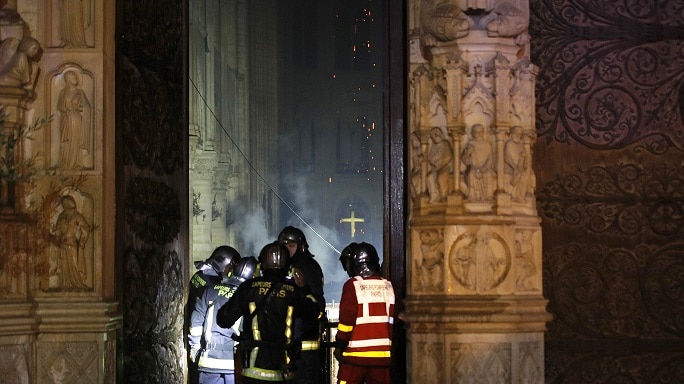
x=368, y=354
x=288, y=323
x=310, y=345
x=210, y=362
x=196, y=330
x=266, y=374
x=344, y=328
x=256, y=334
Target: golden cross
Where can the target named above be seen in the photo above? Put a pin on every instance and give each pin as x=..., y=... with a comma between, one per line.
x=352, y=220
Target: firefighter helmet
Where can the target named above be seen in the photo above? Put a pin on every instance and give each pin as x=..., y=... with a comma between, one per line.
x=222, y=257
x=292, y=234
x=365, y=261
x=274, y=256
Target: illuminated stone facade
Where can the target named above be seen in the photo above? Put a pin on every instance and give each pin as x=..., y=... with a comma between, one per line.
x=59, y=316
x=475, y=310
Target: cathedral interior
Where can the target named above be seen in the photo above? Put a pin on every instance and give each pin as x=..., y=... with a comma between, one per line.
x=518, y=163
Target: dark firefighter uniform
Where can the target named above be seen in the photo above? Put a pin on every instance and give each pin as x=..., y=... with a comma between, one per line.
x=269, y=305
x=211, y=346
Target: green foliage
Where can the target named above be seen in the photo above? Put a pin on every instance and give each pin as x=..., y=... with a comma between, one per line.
x=13, y=166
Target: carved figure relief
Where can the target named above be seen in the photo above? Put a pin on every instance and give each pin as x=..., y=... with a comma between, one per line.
x=505, y=20
x=431, y=361
x=464, y=266
x=17, y=62
x=431, y=263
x=521, y=93
x=72, y=258
x=74, y=124
x=524, y=258
x=516, y=165
x=442, y=22
x=479, y=260
x=440, y=157
x=480, y=176
x=416, y=182
x=74, y=19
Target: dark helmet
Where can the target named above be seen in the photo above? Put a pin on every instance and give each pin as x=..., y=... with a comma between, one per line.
x=365, y=261
x=345, y=258
x=292, y=234
x=244, y=270
x=274, y=256
x=223, y=256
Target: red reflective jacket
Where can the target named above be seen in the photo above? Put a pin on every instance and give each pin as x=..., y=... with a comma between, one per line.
x=366, y=320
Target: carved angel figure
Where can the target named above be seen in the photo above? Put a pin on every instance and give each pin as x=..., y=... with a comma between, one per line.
x=17, y=68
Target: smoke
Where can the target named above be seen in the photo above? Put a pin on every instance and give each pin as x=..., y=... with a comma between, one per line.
x=253, y=234
x=319, y=237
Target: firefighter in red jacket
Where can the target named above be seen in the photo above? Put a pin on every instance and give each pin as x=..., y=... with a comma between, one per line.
x=364, y=334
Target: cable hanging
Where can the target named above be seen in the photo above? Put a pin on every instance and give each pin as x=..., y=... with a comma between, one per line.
x=251, y=166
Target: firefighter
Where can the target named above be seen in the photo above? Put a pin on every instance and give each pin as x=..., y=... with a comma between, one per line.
x=211, y=346
x=364, y=333
x=307, y=273
x=209, y=273
x=269, y=305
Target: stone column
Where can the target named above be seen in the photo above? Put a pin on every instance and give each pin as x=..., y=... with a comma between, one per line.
x=59, y=316
x=474, y=308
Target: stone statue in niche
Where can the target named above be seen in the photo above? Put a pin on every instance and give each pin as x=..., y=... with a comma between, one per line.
x=480, y=176
x=75, y=18
x=430, y=268
x=18, y=67
x=516, y=165
x=74, y=123
x=524, y=257
x=70, y=234
x=521, y=97
x=440, y=157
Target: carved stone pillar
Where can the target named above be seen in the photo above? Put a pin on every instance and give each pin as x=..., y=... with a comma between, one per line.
x=59, y=316
x=474, y=308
